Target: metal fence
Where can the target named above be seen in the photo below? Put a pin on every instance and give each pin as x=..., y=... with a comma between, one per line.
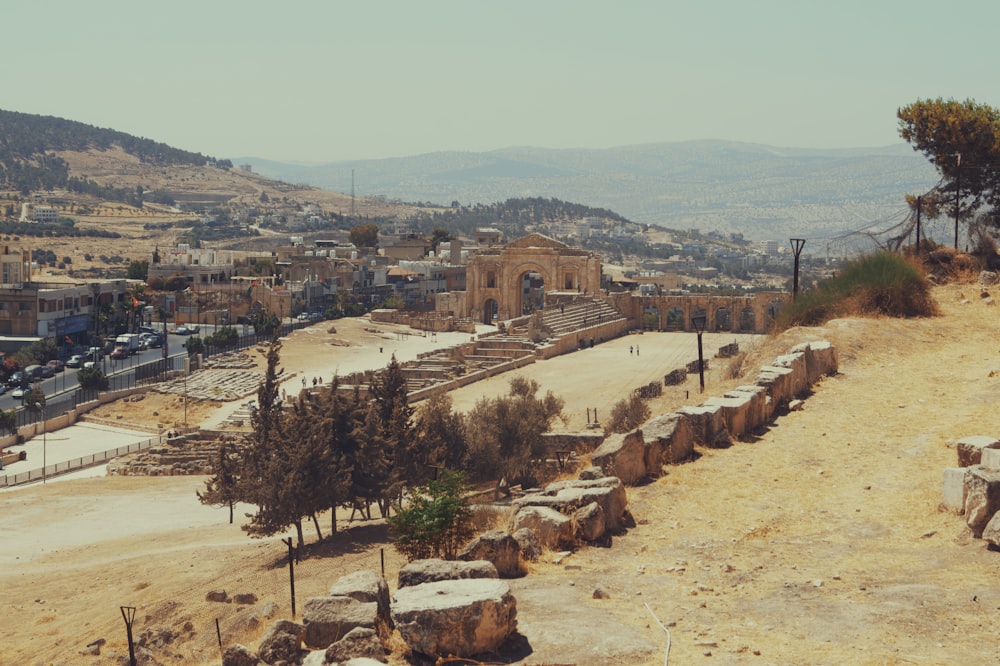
x=83, y=462
x=250, y=339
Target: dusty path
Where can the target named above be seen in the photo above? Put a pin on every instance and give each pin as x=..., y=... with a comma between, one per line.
x=819, y=543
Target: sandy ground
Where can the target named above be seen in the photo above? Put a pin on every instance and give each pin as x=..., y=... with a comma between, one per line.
x=821, y=542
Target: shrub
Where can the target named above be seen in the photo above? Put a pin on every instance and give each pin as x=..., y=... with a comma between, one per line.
x=629, y=413
x=883, y=284
x=91, y=379
x=437, y=523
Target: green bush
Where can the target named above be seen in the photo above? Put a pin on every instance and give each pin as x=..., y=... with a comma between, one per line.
x=437, y=523
x=881, y=284
x=92, y=378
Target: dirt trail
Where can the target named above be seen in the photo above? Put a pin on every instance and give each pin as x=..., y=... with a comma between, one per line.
x=821, y=542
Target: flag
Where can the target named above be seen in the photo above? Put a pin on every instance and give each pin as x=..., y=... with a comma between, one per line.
x=135, y=301
x=69, y=340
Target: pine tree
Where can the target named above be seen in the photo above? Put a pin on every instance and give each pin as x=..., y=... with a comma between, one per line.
x=223, y=488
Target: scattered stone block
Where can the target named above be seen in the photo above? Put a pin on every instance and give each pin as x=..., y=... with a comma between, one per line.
x=622, y=455
x=527, y=541
x=357, y=643
x=589, y=522
x=218, y=596
x=328, y=619
x=457, y=617
x=707, y=425
x=365, y=586
x=281, y=642
x=238, y=655
x=990, y=458
x=668, y=440
x=982, y=498
x=553, y=529
x=991, y=533
x=432, y=570
x=970, y=449
x=953, y=491
x=589, y=473
x=497, y=547
x=568, y=496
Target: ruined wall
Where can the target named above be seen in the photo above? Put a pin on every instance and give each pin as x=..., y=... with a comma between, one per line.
x=753, y=313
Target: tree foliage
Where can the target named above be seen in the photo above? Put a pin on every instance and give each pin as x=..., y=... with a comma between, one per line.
x=962, y=140
x=365, y=235
x=436, y=522
x=222, y=488
x=627, y=414
x=92, y=379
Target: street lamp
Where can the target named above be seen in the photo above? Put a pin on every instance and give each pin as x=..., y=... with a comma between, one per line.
x=797, y=245
x=45, y=448
x=698, y=322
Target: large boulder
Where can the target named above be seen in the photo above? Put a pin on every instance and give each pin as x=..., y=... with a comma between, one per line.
x=238, y=655
x=527, y=541
x=432, y=570
x=359, y=642
x=668, y=440
x=589, y=523
x=568, y=496
x=982, y=498
x=328, y=619
x=366, y=586
x=282, y=641
x=707, y=425
x=622, y=455
x=970, y=449
x=553, y=529
x=498, y=547
x=456, y=617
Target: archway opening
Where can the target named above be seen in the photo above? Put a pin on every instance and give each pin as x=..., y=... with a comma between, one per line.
x=748, y=320
x=490, y=309
x=700, y=312
x=651, y=318
x=723, y=320
x=675, y=319
x=773, y=308
x=532, y=292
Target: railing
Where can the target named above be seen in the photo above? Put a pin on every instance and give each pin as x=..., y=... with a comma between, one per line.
x=251, y=339
x=64, y=467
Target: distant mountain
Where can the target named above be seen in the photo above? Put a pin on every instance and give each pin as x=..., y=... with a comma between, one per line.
x=760, y=191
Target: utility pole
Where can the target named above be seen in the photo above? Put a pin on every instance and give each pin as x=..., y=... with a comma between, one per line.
x=797, y=245
x=919, y=206
x=958, y=189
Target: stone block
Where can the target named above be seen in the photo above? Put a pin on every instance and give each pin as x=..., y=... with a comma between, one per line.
x=622, y=455
x=461, y=618
x=281, y=642
x=796, y=362
x=970, y=449
x=820, y=357
x=668, y=440
x=328, y=619
x=982, y=498
x=366, y=586
x=735, y=412
x=589, y=523
x=553, y=529
x=707, y=425
x=990, y=458
x=497, y=547
x=778, y=382
x=568, y=496
x=433, y=570
x=953, y=491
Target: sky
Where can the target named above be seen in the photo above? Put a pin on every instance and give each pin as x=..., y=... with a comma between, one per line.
x=319, y=81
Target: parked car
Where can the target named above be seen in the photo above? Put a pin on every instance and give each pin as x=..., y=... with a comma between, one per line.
x=21, y=391
x=17, y=378
x=33, y=372
x=3, y=389
x=74, y=361
x=93, y=354
x=154, y=341
x=56, y=365
x=88, y=365
x=118, y=353
x=182, y=330
x=46, y=372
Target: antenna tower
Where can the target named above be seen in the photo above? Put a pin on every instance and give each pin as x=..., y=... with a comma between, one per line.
x=352, y=194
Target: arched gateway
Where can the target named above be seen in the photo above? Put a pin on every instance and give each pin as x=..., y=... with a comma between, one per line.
x=516, y=277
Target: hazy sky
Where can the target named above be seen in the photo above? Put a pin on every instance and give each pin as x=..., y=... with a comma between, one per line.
x=324, y=80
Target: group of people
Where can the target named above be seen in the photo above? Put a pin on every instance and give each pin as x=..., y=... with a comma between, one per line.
x=630, y=347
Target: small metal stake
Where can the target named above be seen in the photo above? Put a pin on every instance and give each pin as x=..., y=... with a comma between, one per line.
x=128, y=613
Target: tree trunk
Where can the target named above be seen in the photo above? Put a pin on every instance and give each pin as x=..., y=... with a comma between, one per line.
x=298, y=530
x=333, y=518
x=319, y=535
x=231, y=513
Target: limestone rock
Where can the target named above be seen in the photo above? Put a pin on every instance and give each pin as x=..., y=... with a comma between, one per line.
x=552, y=529
x=953, y=490
x=366, y=586
x=315, y=658
x=590, y=473
x=457, y=617
x=668, y=440
x=982, y=498
x=991, y=533
x=328, y=619
x=970, y=449
x=527, y=541
x=418, y=572
x=358, y=642
x=282, y=641
x=245, y=598
x=498, y=547
x=589, y=522
x=622, y=455
x=217, y=596
x=238, y=655
x=568, y=496
x=707, y=425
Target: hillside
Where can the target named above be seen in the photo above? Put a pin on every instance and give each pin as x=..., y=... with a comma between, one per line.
x=760, y=191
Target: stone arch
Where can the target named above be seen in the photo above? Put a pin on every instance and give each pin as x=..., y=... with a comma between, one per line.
x=723, y=319
x=526, y=302
x=675, y=319
x=773, y=308
x=699, y=311
x=748, y=320
x=490, y=311
x=650, y=318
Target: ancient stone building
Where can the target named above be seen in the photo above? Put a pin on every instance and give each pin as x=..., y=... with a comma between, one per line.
x=510, y=281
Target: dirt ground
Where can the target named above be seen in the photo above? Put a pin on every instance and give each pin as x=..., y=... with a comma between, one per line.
x=820, y=542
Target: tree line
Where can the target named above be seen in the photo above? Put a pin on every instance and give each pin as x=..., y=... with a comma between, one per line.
x=331, y=448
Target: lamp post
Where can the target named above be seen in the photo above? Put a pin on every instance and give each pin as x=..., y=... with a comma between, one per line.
x=698, y=322
x=797, y=245
x=958, y=190
x=45, y=447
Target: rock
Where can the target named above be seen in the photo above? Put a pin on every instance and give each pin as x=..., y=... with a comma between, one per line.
x=707, y=425
x=358, y=642
x=217, y=595
x=568, y=496
x=600, y=593
x=668, y=440
x=315, y=658
x=953, y=489
x=328, y=619
x=527, y=541
x=970, y=449
x=366, y=586
x=991, y=533
x=589, y=523
x=238, y=655
x=623, y=456
x=245, y=598
x=282, y=641
x=456, y=617
x=552, y=529
x=590, y=473
x=982, y=498
x=497, y=547
x=433, y=570
x=93, y=648
x=269, y=610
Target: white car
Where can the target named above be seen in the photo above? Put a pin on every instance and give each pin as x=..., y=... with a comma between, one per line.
x=89, y=364
x=21, y=391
